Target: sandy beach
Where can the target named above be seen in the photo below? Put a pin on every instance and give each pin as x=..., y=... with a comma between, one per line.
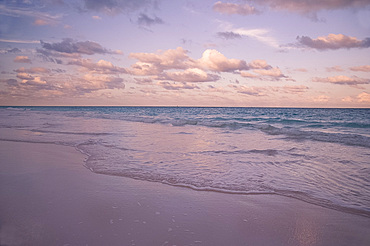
x=49, y=198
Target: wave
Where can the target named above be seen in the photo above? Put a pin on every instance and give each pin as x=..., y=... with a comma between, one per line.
x=294, y=133
x=217, y=150
x=268, y=152
x=72, y=133
x=261, y=190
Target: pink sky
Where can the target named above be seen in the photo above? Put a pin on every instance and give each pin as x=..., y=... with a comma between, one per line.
x=187, y=53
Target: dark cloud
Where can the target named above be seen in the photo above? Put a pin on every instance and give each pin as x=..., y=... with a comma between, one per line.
x=229, y=35
x=251, y=91
x=49, y=56
x=144, y=81
x=177, y=86
x=333, y=42
x=145, y=20
x=353, y=81
x=14, y=50
x=113, y=7
x=12, y=82
x=70, y=46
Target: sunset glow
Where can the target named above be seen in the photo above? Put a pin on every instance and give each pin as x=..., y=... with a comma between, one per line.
x=281, y=53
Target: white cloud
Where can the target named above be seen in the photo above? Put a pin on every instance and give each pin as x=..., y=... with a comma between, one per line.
x=215, y=61
x=261, y=35
x=19, y=41
x=190, y=75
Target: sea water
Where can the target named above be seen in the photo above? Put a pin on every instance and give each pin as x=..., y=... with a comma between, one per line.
x=321, y=156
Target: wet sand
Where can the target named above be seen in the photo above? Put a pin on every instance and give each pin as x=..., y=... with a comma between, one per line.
x=49, y=198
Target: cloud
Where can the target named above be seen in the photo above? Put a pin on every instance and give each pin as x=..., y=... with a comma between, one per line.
x=364, y=97
x=145, y=20
x=96, y=17
x=25, y=76
x=251, y=91
x=144, y=69
x=22, y=59
x=175, y=65
x=41, y=18
x=262, y=70
x=259, y=34
x=41, y=22
x=303, y=70
x=153, y=63
x=353, y=81
x=306, y=6
x=333, y=42
x=365, y=68
x=91, y=83
x=177, y=86
x=28, y=79
x=232, y=8
x=272, y=73
x=297, y=89
x=114, y=7
x=347, y=99
x=248, y=74
x=334, y=69
x=191, y=70
x=52, y=56
x=10, y=82
x=157, y=65
x=190, y=75
x=101, y=67
x=215, y=61
x=13, y=50
x=143, y=81
x=229, y=35
x=70, y=46
x=259, y=64
x=33, y=70
x=19, y=41
x=321, y=98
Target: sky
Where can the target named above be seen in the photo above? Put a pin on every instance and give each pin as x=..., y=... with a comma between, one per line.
x=255, y=53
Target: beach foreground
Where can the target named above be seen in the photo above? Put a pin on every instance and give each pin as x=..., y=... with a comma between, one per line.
x=49, y=198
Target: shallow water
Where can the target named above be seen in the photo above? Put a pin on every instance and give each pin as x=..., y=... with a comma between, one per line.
x=317, y=155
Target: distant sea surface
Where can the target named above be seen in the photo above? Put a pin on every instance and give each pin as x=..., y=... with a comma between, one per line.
x=321, y=156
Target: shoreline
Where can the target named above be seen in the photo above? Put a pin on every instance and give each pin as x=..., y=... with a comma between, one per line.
x=50, y=198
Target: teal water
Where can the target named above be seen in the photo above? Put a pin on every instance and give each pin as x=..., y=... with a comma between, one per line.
x=316, y=155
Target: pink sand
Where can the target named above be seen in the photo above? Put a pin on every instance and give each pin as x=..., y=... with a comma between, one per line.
x=49, y=198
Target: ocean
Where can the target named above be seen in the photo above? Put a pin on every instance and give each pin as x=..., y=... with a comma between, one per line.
x=320, y=156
